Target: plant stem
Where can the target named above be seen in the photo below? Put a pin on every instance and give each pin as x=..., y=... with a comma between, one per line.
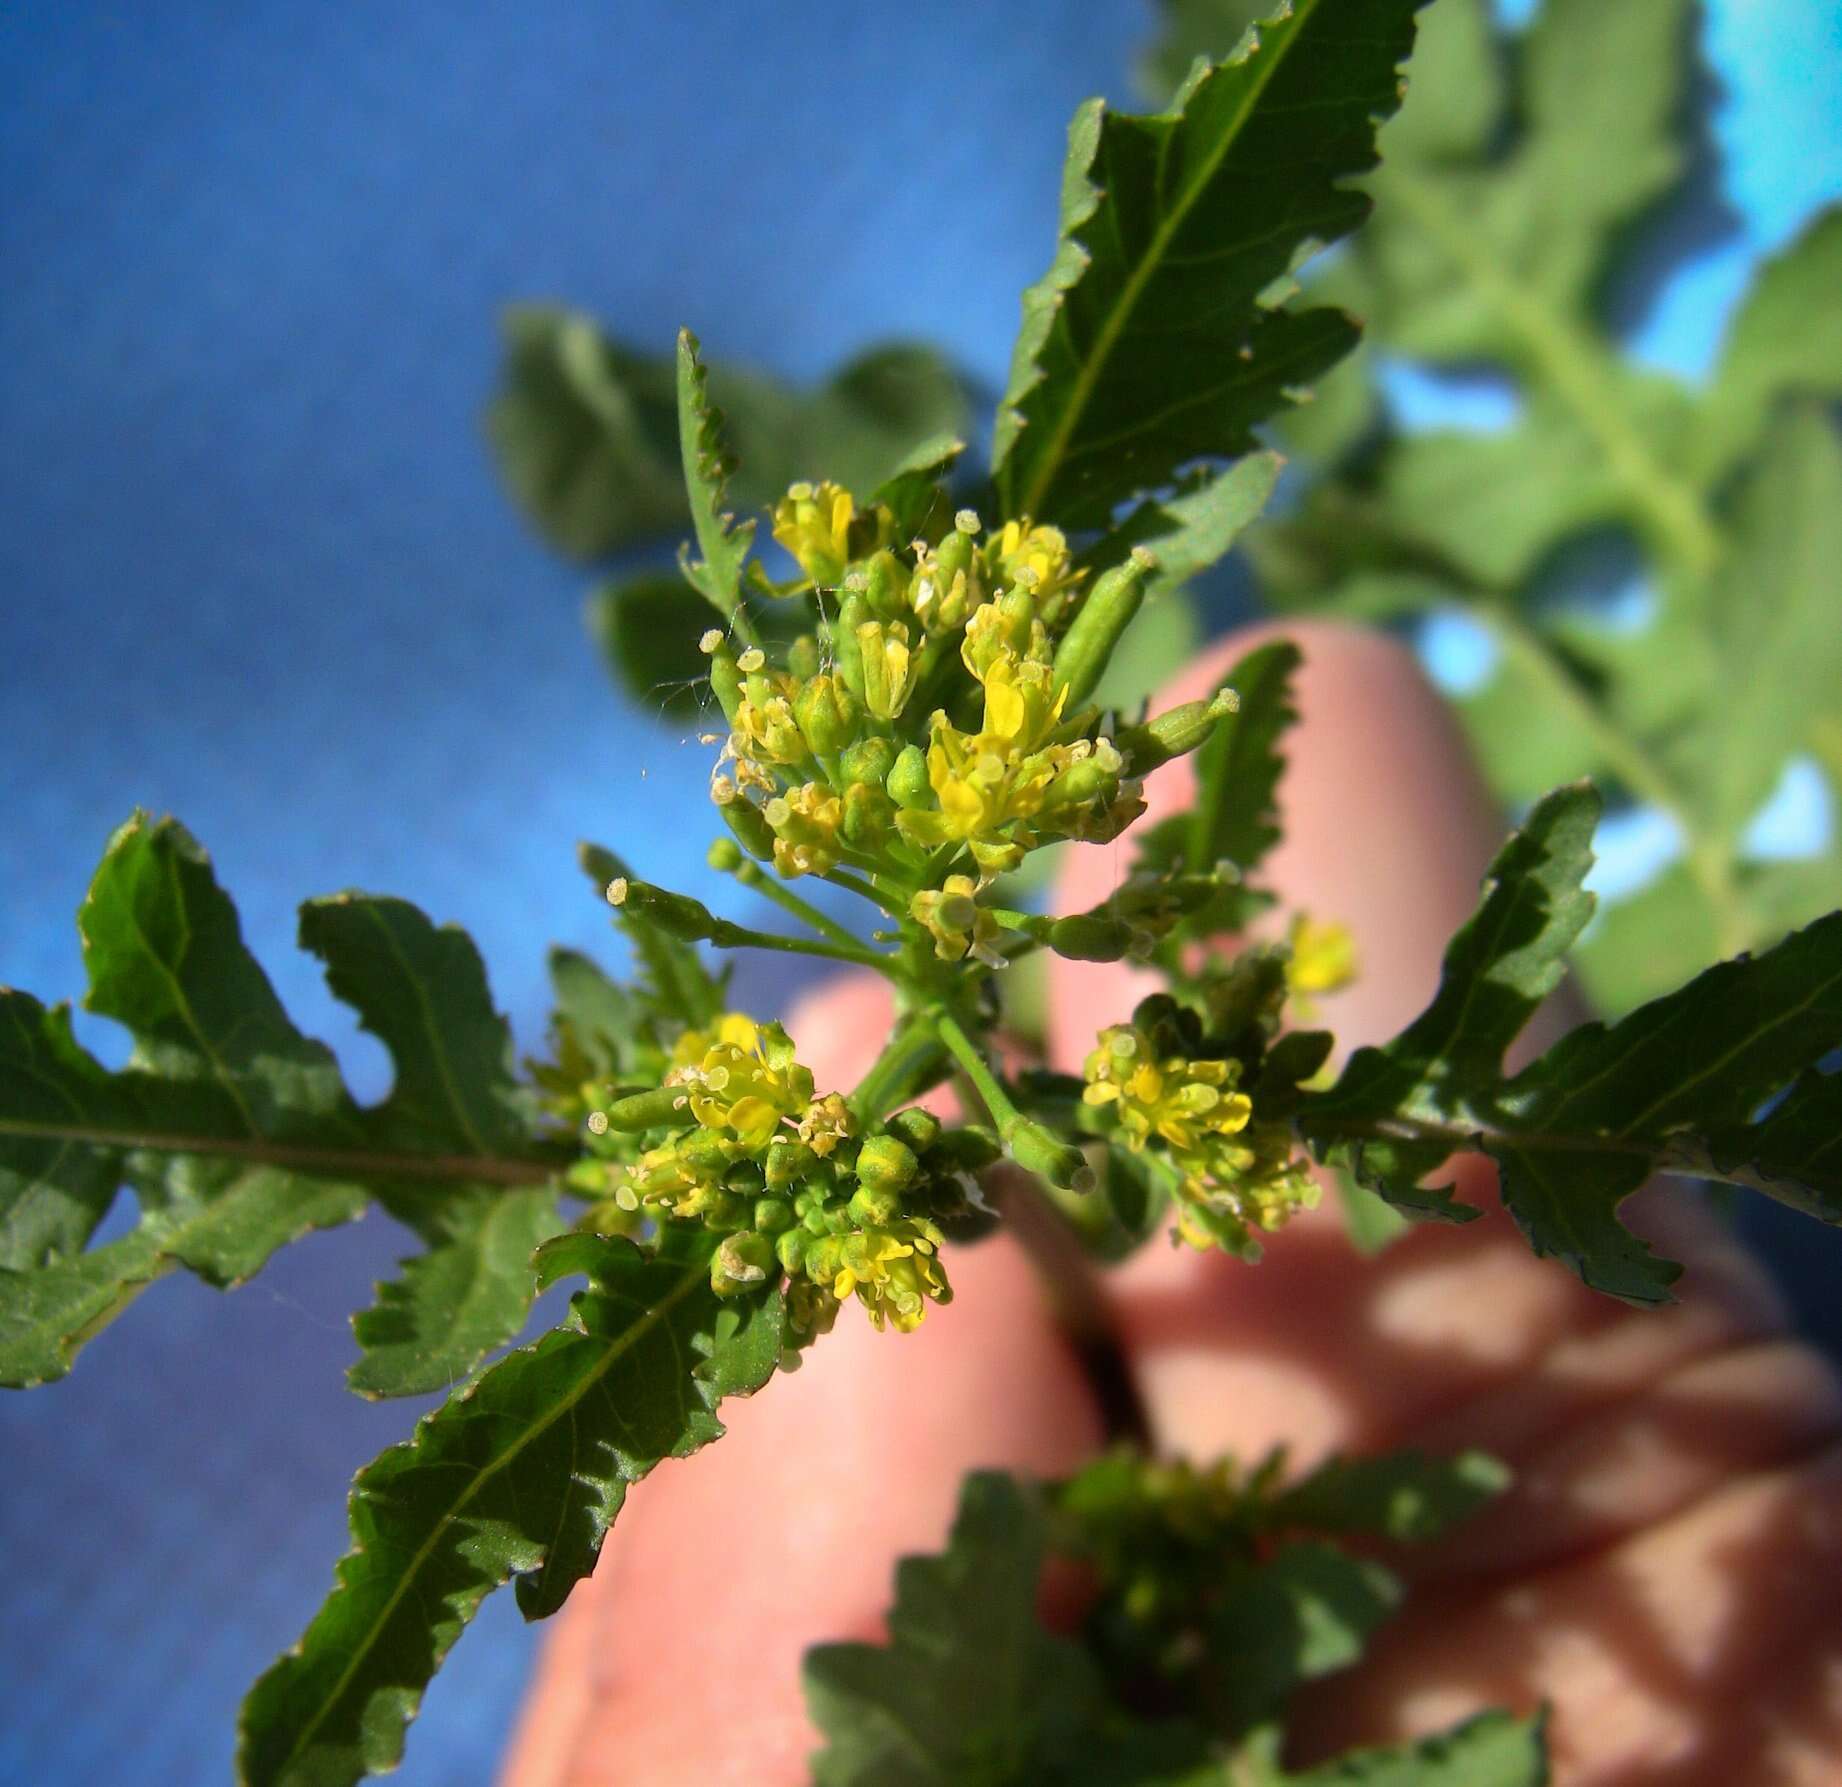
x=863, y=889
x=998, y=1103
x=752, y=876
x=727, y=935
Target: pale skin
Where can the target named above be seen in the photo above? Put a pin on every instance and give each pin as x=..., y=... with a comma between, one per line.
x=1665, y=1573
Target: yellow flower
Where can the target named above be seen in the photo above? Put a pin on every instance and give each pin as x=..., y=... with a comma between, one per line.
x=805, y=825
x=894, y=1271
x=732, y=1027
x=1323, y=956
x=766, y=730
x=890, y=669
x=953, y=917
x=826, y=1123
x=747, y=1085
x=815, y=526
x=1036, y=559
x=1187, y=1103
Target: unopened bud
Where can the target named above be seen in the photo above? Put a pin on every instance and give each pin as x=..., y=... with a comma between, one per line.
x=724, y=856
x=869, y=761
x=885, y=1164
x=741, y=1263
x=908, y=784
x=827, y=713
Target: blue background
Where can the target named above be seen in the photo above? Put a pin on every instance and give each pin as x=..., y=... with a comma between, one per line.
x=257, y=572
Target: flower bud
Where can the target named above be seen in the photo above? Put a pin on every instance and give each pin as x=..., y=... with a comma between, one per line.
x=773, y=1216
x=1081, y=658
x=789, y=1164
x=725, y=679
x=885, y=587
x=886, y=1164
x=853, y=613
x=827, y=713
x=890, y=669
x=804, y=658
x=918, y=1128
x=867, y=813
x=741, y=1263
x=868, y=761
x=723, y=856
x=814, y=525
x=790, y=1249
x=872, y=1208
x=908, y=784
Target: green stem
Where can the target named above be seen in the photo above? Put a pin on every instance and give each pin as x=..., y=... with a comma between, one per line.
x=752, y=876
x=726, y=935
x=998, y=1103
x=863, y=889
x=906, y=1066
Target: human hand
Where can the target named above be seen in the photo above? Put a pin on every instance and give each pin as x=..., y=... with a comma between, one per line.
x=1663, y=1572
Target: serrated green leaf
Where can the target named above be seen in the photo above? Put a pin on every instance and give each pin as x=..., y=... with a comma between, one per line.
x=1775, y=617
x=1233, y=817
x=1494, y=1749
x=520, y=1475
x=1303, y=1613
x=724, y=541
x=1406, y=1496
x=1155, y=338
x=607, y=1020
x=913, y=492
x=970, y=1688
x=1786, y=337
x=235, y=1130
x=1194, y=526
x=1677, y=1086
x=468, y=1293
x=585, y=430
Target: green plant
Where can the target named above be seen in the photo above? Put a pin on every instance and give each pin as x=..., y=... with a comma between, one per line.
x=910, y=710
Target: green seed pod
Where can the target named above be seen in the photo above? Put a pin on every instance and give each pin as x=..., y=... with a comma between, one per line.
x=872, y=1208
x=742, y=1263
x=751, y=830
x=804, y=659
x=908, y=784
x=678, y=914
x=1081, y=658
x=1041, y=1151
x=1175, y=732
x=886, y=1164
x=726, y=681
x=918, y=1128
x=773, y=1216
x=667, y=1108
x=829, y=715
x=1086, y=938
x=964, y=1151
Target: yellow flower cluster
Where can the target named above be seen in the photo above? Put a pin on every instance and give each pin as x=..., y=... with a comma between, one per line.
x=1235, y=1174
x=784, y=1176
x=919, y=729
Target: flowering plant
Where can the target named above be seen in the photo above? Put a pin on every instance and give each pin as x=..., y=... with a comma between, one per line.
x=913, y=703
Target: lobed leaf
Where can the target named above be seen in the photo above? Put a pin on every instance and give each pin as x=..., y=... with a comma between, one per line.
x=1678, y=1085
x=519, y=1475
x=707, y=464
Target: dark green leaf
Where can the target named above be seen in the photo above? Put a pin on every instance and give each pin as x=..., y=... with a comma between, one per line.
x=970, y=1689
x=521, y=1474
x=707, y=461
x=1233, y=818
x=607, y=1020
x=1492, y=1750
x=647, y=628
x=1303, y=1613
x=586, y=430
x=1159, y=335
x=1407, y=1496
